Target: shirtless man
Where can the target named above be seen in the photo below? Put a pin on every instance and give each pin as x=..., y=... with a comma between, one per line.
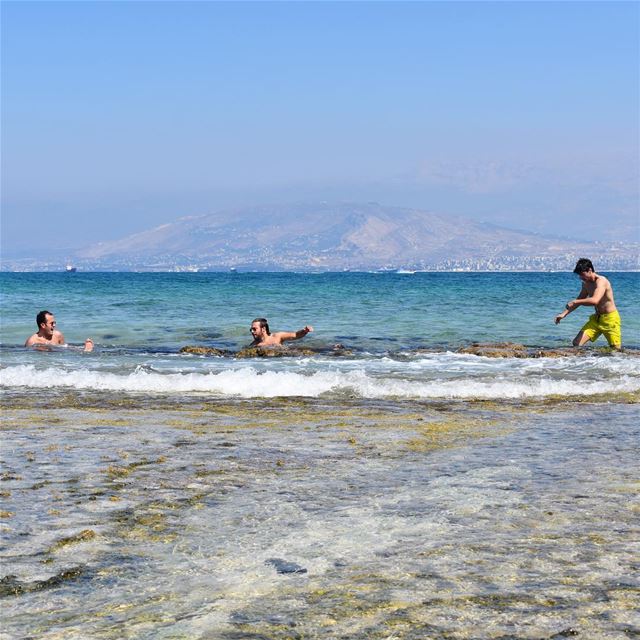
x=48, y=334
x=596, y=292
x=262, y=337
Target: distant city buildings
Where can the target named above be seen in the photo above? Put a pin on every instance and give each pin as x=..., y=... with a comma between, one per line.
x=268, y=260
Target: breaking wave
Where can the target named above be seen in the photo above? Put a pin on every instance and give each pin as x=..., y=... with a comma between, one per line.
x=250, y=382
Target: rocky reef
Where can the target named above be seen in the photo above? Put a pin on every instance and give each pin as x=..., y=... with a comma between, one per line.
x=514, y=350
x=204, y=351
x=266, y=352
x=486, y=349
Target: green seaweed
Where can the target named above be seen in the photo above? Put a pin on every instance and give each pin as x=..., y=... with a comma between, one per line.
x=83, y=536
x=11, y=586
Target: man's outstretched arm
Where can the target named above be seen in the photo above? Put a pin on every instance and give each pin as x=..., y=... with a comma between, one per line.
x=294, y=335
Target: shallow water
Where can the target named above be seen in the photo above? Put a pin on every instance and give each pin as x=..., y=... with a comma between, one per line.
x=409, y=520
x=395, y=488
x=400, y=335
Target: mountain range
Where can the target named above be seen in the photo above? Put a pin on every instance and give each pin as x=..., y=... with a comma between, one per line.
x=344, y=236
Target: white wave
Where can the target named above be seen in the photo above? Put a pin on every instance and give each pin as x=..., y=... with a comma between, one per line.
x=248, y=382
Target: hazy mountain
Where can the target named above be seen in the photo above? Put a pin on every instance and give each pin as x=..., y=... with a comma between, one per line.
x=338, y=236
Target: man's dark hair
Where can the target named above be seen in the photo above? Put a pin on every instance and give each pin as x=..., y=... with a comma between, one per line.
x=584, y=264
x=263, y=324
x=42, y=317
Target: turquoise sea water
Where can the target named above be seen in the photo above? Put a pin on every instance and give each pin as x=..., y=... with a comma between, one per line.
x=395, y=487
x=399, y=333
x=381, y=311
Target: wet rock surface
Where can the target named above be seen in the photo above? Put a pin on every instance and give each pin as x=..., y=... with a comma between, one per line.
x=203, y=351
x=10, y=585
x=486, y=349
x=514, y=350
x=266, y=352
x=273, y=352
x=284, y=566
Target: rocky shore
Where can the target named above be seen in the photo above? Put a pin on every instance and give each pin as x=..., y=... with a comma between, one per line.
x=486, y=349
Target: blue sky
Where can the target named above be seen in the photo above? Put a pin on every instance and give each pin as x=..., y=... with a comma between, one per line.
x=119, y=116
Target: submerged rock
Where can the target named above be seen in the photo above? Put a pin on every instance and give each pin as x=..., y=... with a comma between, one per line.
x=273, y=352
x=340, y=350
x=565, y=633
x=83, y=536
x=486, y=349
x=496, y=350
x=283, y=566
x=248, y=352
x=203, y=351
x=11, y=586
x=514, y=350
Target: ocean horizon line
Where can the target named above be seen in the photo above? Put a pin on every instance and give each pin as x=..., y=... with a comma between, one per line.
x=380, y=271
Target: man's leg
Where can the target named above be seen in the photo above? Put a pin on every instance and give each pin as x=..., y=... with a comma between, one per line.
x=580, y=339
x=590, y=331
x=614, y=339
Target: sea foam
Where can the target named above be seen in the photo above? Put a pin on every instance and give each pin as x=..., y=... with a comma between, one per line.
x=249, y=382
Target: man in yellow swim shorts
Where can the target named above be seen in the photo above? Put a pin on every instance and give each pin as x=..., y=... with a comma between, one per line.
x=596, y=292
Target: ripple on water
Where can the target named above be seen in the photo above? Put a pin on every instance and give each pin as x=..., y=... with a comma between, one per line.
x=411, y=520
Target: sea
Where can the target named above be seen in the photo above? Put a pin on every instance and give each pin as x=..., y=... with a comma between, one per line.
x=433, y=461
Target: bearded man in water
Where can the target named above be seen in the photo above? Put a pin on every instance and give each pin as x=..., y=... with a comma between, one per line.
x=262, y=337
x=596, y=292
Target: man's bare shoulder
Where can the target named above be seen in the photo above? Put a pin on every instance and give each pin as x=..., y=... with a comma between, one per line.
x=602, y=283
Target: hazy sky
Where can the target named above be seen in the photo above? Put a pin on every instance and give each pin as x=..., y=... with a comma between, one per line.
x=119, y=116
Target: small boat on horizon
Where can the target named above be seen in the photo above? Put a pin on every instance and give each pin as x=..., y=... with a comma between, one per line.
x=70, y=268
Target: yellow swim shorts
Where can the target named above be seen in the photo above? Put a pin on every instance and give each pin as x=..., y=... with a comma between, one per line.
x=607, y=324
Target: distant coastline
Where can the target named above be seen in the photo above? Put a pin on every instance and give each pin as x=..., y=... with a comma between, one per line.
x=324, y=237
x=240, y=270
